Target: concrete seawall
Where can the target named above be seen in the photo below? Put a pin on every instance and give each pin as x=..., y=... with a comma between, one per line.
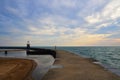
x=69, y=66
x=31, y=50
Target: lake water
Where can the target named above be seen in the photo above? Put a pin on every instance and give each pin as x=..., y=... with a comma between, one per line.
x=12, y=53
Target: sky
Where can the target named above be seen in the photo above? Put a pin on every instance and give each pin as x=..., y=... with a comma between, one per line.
x=60, y=22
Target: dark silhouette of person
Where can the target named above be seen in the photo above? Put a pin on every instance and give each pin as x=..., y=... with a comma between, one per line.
x=5, y=53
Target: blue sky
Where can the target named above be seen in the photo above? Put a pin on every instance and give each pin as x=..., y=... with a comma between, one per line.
x=60, y=22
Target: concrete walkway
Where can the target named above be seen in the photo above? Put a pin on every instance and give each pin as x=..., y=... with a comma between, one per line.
x=44, y=62
x=72, y=67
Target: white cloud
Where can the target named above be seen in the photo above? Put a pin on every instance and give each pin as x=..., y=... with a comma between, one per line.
x=101, y=25
x=48, y=25
x=91, y=6
x=57, y=20
x=46, y=30
x=110, y=12
x=93, y=18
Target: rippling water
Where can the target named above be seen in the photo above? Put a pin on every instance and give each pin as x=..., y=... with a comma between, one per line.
x=12, y=53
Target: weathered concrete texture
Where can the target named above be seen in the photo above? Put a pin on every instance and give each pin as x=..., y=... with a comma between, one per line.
x=16, y=69
x=74, y=67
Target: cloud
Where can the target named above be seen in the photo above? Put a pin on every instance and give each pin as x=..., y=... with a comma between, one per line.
x=46, y=31
x=82, y=40
x=105, y=20
x=92, y=7
x=110, y=12
x=60, y=22
x=62, y=3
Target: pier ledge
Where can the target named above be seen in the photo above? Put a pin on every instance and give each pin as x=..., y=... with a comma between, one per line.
x=69, y=66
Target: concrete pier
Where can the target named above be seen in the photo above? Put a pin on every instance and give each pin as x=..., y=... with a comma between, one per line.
x=69, y=66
